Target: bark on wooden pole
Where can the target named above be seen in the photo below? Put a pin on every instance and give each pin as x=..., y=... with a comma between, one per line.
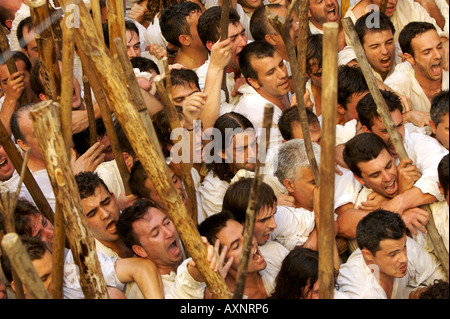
x=250, y=213
x=97, y=17
x=116, y=23
x=45, y=118
x=59, y=243
x=49, y=65
x=90, y=110
x=224, y=18
x=345, y=4
x=383, y=110
x=29, y=181
x=147, y=149
x=303, y=28
x=282, y=26
x=21, y=263
x=327, y=160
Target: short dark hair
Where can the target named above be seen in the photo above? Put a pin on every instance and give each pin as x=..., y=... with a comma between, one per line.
x=129, y=25
x=208, y=26
x=259, y=24
x=212, y=225
x=237, y=196
x=138, y=176
x=439, y=107
x=173, y=21
x=163, y=129
x=130, y=215
x=362, y=28
x=410, y=31
x=438, y=290
x=87, y=183
x=443, y=174
x=258, y=50
x=184, y=77
x=289, y=117
x=24, y=210
x=144, y=64
x=377, y=226
x=35, y=81
x=24, y=23
x=363, y=147
x=350, y=81
x=124, y=142
x=367, y=108
x=314, y=50
x=14, y=121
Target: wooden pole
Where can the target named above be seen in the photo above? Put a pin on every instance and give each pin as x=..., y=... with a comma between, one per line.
x=49, y=65
x=327, y=161
x=29, y=181
x=116, y=23
x=45, y=118
x=282, y=26
x=302, y=43
x=59, y=243
x=383, y=110
x=90, y=110
x=97, y=18
x=147, y=149
x=21, y=262
x=250, y=213
x=345, y=4
x=223, y=36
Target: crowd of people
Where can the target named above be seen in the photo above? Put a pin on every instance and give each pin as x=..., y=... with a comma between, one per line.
x=381, y=246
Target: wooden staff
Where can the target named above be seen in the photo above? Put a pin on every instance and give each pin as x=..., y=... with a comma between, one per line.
x=385, y=115
x=49, y=66
x=44, y=116
x=147, y=149
x=55, y=17
x=90, y=110
x=174, y=120
x=345, y=4
x=59, y=243
x=250, y=213
x=116, y=24
x=328, y=157
x=282, y=26
x=224, y=35
x=29, y=181
x=97, y=17
x=21, y=262
x=107, y=120
x=302, y=43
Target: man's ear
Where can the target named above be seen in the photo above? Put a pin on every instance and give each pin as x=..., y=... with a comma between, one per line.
x=8, y=23
x=409, y=58
x=366, y=129
x=269, y=38
x=21, y=143
x=254, y=83
x=209, y=45
x=432, y=126
x=360, y=180
x=185, y=40
x=340, y=109
x=139, y=251
x=441, y=190
x=288, y=185
x=367, y=255
x=129, y=160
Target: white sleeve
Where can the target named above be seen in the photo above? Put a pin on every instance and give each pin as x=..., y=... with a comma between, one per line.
x=185, y=287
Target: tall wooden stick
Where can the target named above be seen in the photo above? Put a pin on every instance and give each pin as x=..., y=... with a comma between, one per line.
x=302, y=43
x=21, y=263
x=345, y=4
x=382, y=109
x=282, y=26
x=224, y=35
x=328, y=158
x=250, y=213
x=59, y=243
x=147, y=149
x=90, y=110
x=97, y=17
x=45, y=118
x=116, y=23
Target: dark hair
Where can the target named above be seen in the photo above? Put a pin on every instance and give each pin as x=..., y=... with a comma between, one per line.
x=314, y=51
x=138, y=176
x=144, y=64
x=130, y=215
x=208, y=26
x=362, y=25
x=173, y=21
x=130, y=25
x=212, y=225
x=87, y=183
x=298, y=274
x=289, y=117
x=259, y=24
x=439, y=107
x=410, y=31
x=22, y=214
x=24, y=23
x=367, y=108
x=184, y=77
x=237, y=197
x=377, y=226
x=124, y=143
x=443, y=174
x=35, y=81
x=18, y=56
x=363, y=147
x=163, y=129
x=350, y=81
x=258, y=50
x=14, y=121
x=227, y=121
x=438, y=290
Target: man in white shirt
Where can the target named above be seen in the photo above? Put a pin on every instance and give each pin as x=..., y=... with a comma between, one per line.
x=439, y=114
x=388, y=264
x=423, y=50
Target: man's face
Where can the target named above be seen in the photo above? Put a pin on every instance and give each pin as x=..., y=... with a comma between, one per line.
x=158, y=238
x=31, y=142
x=231, y=236
x=303, y=188
x=379, y=48
x=6, y=167
x=31, y=50
x=428, y=55
x=321, y=11
x=43, y=267
x=241, y=153
x=380, y=174
x=441, y=131
x=390, y=8
x=314, y=131
x=238, y=41
x=181, y=92
x=316, y=72
x=379, y=129
x=133, y=44
x=392, y=259
x=272, y=77
x=265, y=224
x=22, y=68
x=102, y=214
x=42, y=229
x=250, y=4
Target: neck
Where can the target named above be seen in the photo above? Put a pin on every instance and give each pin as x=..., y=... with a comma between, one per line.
x=278, y=100
x=119, y=248
x=191, y=58
x=35, y=165
x=430, y=87
x=167, y=269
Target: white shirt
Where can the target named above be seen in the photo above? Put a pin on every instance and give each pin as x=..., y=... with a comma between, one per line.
x=358, y=282
x=404, y=82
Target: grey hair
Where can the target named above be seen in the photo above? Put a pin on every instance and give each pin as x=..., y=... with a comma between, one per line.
x=291, y=156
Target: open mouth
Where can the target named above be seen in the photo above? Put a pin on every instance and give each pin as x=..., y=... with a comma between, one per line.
x=436, y=68
x=332, y=15
x=174, y=248
x=111, y=227
x=3, y=162
x=257, y=256
x=386, y=61
x=391, y=188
